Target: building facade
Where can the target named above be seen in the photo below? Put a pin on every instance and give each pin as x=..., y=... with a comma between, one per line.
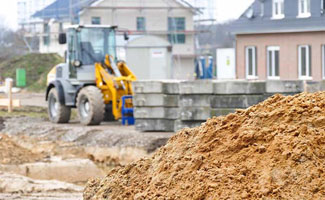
x=281, y=40
x=170, y=20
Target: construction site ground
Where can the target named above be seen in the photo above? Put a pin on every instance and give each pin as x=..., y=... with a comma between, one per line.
x=41, y=160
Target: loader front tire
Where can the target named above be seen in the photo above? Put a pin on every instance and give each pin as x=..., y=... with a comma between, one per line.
x=90, y=106
x=57, y=112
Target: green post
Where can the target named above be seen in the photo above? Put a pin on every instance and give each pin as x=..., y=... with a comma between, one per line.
x=20, y=77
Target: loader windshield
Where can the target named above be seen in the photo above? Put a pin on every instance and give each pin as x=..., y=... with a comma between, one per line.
x=95, y=44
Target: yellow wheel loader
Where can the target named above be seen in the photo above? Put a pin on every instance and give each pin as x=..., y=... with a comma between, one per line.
x=91, y=79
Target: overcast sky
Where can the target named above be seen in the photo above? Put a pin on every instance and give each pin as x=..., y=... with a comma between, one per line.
x=225, y=9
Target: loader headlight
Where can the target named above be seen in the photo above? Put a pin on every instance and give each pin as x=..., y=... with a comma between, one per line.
x=77, y=63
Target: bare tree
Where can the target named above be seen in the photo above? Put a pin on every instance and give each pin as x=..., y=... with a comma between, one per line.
x=11, y=42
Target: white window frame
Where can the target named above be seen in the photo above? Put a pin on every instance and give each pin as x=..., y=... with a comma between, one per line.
x=308, y=75
x=278, y=5
x=254, y=70
x=304, y=13
x=272, y=49
x=323, y=61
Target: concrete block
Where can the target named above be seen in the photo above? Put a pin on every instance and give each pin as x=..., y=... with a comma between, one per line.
x=194, y=100
x=179, y=124
x=144, y=87
x=155, y=100
x=222, y=111
x=313, y=86
x=156, y=113
x=238, y=87
x=163, y=125
x=195, y=113
x=235, y=101
x=156, y=87
x=196, y=87
x=322, y=86
x=171, y=87
x=284, y=86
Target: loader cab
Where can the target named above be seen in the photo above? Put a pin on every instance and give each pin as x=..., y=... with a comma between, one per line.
x=87, y=45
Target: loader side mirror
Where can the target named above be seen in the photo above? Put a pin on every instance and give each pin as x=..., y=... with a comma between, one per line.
x=126, y=36
x=62, y=38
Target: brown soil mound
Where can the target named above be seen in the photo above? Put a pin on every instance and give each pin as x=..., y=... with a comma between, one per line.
x=12, y=153
x=274, y=150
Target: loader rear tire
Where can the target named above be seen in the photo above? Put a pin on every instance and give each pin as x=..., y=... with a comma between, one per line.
x=90, y=106
x=57, y=112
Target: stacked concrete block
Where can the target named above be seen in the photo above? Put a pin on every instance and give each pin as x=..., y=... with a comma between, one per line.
x=156, y=105
x=194, y=103
x=171, y=106
x=284, y=87
x=228, y=96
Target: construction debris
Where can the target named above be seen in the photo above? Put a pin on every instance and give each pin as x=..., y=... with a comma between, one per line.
x=274, y=150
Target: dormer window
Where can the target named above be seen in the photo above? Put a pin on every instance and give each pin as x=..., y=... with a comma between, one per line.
x=278, y=9
x=304, y=8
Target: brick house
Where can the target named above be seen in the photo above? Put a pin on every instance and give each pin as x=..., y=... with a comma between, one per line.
x=281, y=40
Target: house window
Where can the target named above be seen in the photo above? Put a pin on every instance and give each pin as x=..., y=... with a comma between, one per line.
x=47, y=32
x=95, y=20
x=304, y=8
x=322, y=6
x=141, y=24
x=251, y=67
x=323, y=61
x=304, y=56
x=176, y=24
x=273, y=62
x=278, y=9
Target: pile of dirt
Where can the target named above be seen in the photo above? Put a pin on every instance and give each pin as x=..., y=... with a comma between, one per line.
x=12, y=153
x=274, y=150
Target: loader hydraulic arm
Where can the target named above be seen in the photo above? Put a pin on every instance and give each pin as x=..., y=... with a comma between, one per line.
x=114, y=85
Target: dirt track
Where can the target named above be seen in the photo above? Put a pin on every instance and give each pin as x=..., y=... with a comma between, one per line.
x=106, y=135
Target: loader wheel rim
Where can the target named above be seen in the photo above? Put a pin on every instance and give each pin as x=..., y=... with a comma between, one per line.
x=54, y=106
x=85, y=108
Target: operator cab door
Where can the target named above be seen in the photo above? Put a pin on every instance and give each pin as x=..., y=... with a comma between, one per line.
x=72, y=54
x=84, y=73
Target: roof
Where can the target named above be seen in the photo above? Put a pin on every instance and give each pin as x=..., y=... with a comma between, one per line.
x=262, y=21
x=189, y=5
x=178, y=3
x=60, y=9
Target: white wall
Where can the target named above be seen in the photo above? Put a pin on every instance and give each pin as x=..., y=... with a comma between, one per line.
x=156, y=24
x=54, y=46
